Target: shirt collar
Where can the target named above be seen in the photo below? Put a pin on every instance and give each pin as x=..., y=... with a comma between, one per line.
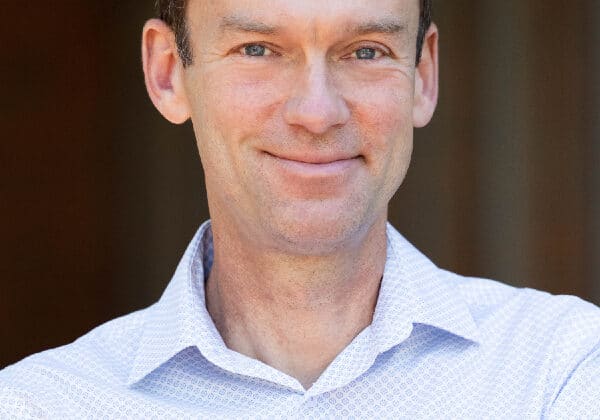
x=180, y=318
x=413, y=291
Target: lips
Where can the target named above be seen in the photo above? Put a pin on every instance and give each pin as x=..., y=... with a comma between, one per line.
x=316, y=166
x=315, y=159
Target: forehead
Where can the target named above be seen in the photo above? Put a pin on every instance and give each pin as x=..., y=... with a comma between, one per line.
x=300, y=15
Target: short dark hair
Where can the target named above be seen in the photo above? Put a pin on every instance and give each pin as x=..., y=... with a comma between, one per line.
x=172, y=12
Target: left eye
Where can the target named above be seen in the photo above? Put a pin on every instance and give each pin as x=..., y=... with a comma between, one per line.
x=367, y=53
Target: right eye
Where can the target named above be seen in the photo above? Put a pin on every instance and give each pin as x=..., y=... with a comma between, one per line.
x=255, y=50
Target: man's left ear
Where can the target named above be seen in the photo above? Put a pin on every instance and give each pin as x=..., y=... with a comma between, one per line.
x=426, y=80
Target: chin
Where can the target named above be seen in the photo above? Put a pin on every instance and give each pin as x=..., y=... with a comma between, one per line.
x=317, y=233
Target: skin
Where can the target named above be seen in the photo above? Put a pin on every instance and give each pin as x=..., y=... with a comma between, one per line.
x=303, y=144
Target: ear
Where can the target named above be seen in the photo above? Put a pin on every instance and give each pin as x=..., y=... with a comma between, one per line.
x=426, y=80
x=163, y=71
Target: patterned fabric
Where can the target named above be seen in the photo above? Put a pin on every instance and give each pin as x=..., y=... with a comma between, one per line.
x=440, y=346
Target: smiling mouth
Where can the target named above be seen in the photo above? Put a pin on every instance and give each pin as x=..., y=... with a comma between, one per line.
x=315, y=160
x=316, y=166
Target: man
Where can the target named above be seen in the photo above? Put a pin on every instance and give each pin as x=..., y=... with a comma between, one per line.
x=297, y=299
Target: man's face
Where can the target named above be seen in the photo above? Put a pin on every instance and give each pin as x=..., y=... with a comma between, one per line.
x=303, y=114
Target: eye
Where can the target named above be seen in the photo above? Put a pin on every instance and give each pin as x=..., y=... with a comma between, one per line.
x=367, y=53
x=255, y=50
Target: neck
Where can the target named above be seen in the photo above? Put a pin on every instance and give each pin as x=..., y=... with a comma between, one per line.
x=294, y=312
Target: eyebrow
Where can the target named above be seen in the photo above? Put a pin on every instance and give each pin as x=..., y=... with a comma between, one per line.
x=385, y=26
x=238, y=23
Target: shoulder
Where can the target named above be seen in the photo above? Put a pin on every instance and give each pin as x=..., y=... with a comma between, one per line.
x=494, y=304
x=558, y=335
x=54, y=378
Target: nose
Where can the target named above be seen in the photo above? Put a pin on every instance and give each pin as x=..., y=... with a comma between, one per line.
x=315, y=103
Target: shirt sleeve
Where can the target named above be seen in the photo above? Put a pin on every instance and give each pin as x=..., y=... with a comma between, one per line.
x=15, y=404
x=579, y=395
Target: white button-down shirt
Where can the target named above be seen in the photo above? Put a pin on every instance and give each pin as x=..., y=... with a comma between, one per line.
x=440, y=346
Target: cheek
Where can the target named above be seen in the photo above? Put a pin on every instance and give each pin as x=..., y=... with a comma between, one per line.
x=230, y=111
x=384, y=117
x=239, y=104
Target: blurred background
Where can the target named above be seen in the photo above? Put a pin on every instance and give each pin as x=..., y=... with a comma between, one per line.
x=99, y=195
